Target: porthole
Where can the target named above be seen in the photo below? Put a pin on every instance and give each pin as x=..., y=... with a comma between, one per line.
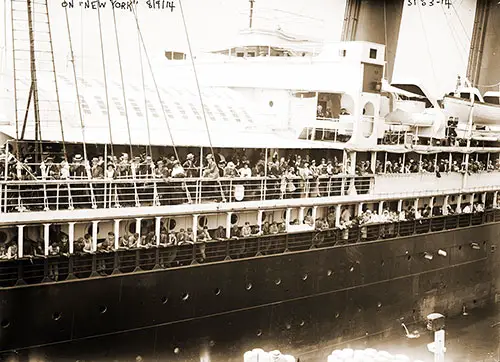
x=259, y=332
x=5, y=323
x=309, y=211
x=249, y=286
x=304, y=277
x=234, y=219
x=185, y=296
x=90, y=227
x=103, y=309
x=277, y=281
x=56, y=316
x=217, y=291
x=177, y=350
x=288, y=326
x=132, y=227
x=408, y=257
x=337, y=315
x=164, y=300
x=329, y=273
x=351, y=269
x=379, y=304
x=271, y=103
x=382, y=263
x=171, y=224
x=202, y=221
x=302, y=323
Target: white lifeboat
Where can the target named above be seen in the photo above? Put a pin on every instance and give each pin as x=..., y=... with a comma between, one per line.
x=468, y=99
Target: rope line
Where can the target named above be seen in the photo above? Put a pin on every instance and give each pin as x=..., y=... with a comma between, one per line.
x=144, y=89
x=455, y=40
x=196, y=78
x=105, y=80
x=156, y=85
x=123, y=85
x=427, y=45
x=82, y=125
x=55, y=81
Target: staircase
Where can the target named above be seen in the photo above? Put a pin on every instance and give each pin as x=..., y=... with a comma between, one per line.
x=35, y=84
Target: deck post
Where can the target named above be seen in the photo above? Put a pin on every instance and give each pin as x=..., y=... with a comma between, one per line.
x=287, y=218
x=301, y=215
x=195, y=227
x=381, y=205
x=431, y=205
x=71, y=232
x=459, y=204
x=117, y=233
x=338, y=210
x=400, y=206
x=359, y=210
x=138, y=229
x=495, y=197
x=415, y=206
x=445, y=205
x=157, y=230
x=259, y=220
x=228, y=224
x=95, y=225
x=46, y=239
x=20, y=240
x=471, y=200
x=314, y=214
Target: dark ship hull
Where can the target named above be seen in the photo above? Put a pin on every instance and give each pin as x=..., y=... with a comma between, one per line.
x=325, y=295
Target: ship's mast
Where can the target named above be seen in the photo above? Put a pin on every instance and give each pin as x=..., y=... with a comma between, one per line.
x=477, y=41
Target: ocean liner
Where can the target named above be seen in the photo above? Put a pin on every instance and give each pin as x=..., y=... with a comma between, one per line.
x=291, y=199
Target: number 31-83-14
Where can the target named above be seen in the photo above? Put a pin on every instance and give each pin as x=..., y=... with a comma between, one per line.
x=429, y=2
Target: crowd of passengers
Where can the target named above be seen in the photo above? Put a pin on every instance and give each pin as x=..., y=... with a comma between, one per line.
x=186, y=236
x=237, y=165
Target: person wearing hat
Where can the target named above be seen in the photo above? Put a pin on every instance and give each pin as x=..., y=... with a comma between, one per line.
x=97, y=169
x=161, y=171
x=110, y=172
x=245, y=171
x=211, y=171
x=220, y=233
x=230, y=170
x=135, y=167
x=77, y=168
x=124, y=166
x=147, y=167
x=178, y=170
x=189, y=166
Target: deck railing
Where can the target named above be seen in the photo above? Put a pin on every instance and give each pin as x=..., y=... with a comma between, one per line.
x=37, y=195
x=35, y=270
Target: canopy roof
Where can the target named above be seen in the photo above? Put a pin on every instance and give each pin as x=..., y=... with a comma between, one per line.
x=173, y=113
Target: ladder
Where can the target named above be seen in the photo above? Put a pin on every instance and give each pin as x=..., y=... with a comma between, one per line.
x=36, y=92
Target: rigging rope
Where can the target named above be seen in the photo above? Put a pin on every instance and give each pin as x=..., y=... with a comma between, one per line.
x=123, y=85
x=385, y=34
x=461, y=23
x=55, y=81
x=427, y=44
x=144, y=89
x=457, y=43
x=105, y=81
x=82, y=125
x=156, y=85
x=197, y=82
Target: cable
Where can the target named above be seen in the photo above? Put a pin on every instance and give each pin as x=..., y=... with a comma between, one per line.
x=427, y=44
x=82, y=125
x=196, y=78
x=452, y=32
x=55, y=81
x=156, y=85
x=123, y=85
x=105, y=81
x=144, y=90
x=461, y=23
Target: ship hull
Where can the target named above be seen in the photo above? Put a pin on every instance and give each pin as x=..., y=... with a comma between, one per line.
x=289, y=301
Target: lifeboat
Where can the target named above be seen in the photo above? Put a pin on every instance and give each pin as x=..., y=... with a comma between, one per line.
x=467, y=102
